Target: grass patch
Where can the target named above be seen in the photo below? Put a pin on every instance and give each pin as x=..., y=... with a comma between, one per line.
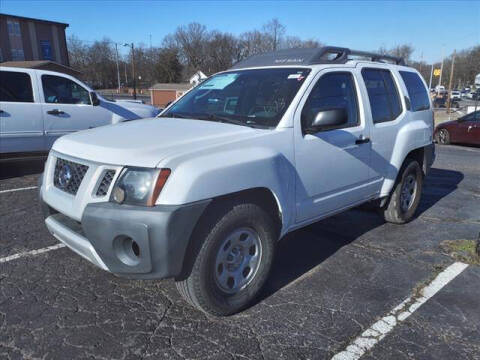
x=462, y=250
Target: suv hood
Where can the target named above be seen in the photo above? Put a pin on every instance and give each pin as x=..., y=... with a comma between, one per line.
x=146, y=142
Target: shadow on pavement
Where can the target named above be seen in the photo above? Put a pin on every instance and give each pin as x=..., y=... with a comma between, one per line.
x=304, y=249
x=17, y=168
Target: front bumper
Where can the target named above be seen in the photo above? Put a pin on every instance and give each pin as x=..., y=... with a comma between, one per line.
x=130, y=241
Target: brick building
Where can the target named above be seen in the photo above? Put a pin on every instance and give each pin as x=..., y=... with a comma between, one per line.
x=23, y=38
x=162, y=94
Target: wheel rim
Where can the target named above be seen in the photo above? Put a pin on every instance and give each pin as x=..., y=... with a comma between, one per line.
x=238, y=260
x=443, y=136
x=408, y=193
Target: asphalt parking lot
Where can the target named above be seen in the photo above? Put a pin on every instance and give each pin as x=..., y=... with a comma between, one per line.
x=331, y=281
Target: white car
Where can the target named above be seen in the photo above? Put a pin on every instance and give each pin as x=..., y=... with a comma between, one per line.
x=203, y=193
x=455, y=95
x=38, y=106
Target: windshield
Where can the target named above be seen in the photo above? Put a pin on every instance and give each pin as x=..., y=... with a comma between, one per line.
x=256, y=98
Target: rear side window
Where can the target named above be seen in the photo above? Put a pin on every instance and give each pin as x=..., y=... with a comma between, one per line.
x=382, y=94
x=416, y=91
x=15, y=87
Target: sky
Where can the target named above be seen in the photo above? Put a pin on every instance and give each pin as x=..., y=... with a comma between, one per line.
x=431, y=27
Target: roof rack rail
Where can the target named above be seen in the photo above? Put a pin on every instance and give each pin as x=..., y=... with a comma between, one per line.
x=323, y=55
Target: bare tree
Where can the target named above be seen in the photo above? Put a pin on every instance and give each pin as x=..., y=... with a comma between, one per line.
x=274, y=32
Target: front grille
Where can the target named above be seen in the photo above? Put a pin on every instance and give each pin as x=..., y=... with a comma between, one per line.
x=105, y=183
x=68, y=175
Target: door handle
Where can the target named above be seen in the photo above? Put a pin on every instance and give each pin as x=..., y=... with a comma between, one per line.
x=362, y=140
x=55, y=112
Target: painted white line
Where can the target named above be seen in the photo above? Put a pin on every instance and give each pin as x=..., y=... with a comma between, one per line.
x=31, y=253
x=19, y=189
x=370, y=337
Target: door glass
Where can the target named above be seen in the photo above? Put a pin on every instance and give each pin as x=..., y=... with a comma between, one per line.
x=60, y=90
x=15, y=87
x=332, y=91
x=382, y=94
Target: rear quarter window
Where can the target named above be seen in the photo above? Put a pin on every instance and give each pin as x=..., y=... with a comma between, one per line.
x=416, y=91
x=15, y=87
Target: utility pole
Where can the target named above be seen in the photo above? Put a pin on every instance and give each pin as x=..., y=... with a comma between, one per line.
x=126, y=78
x=118, y=68
x=431, y=76
x=441, y=71
x=450, y=83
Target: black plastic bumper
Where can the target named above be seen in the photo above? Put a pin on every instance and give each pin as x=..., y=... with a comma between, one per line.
x=160, y=235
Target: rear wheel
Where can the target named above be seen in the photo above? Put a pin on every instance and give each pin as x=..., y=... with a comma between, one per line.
x=234, y=254
x=404, y=200
x=443, y=137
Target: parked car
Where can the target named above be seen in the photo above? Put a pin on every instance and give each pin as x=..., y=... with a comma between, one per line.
x=203, y=192
x=455, y=95
x=465, y=130
x=441, y=102
x=38, y=106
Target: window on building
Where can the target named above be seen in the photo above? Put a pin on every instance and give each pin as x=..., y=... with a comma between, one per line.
x=382, y=94
x=60, y=90
x=15, y=39
x=332, y=91
x=416, y=91
x=46, y=49
x=15, y=87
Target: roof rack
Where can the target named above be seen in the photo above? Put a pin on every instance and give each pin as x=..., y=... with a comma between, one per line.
x=323, y=55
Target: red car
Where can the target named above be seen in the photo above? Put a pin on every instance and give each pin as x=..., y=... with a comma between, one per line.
x=465, y=130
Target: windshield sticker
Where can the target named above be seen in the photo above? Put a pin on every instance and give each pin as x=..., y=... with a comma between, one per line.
x=299, y=77
x=219, y=82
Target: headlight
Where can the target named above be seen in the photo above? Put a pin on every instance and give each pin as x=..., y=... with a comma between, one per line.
x=139, y=186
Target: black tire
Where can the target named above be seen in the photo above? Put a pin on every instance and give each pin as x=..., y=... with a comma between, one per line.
x=395, y=210
x=443, y=137
x=198, y=284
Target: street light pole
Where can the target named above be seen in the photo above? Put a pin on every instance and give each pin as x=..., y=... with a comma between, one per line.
x=133, y=70
x=118, y=68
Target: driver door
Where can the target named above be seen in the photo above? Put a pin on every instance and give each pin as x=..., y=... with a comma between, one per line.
x=67, y=107
x=332, y=164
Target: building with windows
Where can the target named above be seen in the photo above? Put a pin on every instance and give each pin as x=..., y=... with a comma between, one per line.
x=24, y=39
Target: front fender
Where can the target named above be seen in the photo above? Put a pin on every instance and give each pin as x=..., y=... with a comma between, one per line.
x=216, y=174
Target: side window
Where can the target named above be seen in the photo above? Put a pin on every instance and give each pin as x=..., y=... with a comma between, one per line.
x=60, y=90
x=416, y=91
x=15, y=87
x=334, y=90
x=382, y=94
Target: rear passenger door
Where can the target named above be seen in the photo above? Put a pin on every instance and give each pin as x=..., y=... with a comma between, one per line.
x=21, y=122
x=387, y=114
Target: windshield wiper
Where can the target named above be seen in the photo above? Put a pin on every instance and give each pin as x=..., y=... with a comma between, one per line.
x=216, y=117
x=176, y=115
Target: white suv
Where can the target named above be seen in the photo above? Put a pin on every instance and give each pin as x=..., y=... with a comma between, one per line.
x=203, y=192
x=39, y=106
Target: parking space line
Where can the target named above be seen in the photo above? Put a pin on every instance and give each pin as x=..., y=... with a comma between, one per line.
x=31, y=253
x=19, y=189
x=370, y=337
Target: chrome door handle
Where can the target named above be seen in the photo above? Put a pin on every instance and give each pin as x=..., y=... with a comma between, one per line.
x=55, y=112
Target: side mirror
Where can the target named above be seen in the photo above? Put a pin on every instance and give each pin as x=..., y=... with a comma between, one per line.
x=94, y=98
x=327, y=120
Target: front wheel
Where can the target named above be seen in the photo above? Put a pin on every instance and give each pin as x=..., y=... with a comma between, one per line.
x=235, y=247
x=404, y=200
